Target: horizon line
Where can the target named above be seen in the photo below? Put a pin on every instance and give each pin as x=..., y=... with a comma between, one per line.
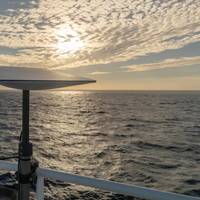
x=128, y=90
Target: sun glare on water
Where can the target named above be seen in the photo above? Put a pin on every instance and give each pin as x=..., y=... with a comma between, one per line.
x=68, y=40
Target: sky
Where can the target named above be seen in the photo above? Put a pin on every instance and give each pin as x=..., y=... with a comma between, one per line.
x=124, y=45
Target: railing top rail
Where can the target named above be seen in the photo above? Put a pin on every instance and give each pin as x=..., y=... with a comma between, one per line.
x=10, y=166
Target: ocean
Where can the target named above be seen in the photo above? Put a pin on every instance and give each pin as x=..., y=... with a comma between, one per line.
x=146, y=138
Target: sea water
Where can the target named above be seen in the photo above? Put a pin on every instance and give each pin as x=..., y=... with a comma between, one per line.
x=144, y=138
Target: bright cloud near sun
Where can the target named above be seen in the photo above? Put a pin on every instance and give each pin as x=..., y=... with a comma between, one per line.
x=68, y=41
x=79, y=33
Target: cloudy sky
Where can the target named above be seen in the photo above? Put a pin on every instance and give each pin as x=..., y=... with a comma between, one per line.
x=132, y=44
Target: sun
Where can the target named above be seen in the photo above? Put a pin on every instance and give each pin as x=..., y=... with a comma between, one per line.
x=68, y=40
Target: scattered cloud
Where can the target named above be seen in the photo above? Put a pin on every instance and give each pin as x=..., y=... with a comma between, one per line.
x=168, y=63
x=98, y=73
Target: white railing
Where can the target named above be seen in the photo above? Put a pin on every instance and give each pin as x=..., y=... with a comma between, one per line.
x=131, y=190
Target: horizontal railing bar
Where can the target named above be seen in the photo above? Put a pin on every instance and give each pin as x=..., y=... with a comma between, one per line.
x=132, y=190
x=10, y=166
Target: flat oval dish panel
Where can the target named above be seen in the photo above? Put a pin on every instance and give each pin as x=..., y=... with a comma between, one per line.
x=37, y=78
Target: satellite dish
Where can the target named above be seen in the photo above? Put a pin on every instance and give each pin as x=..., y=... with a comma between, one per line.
x=28, y=79
x=37, y=78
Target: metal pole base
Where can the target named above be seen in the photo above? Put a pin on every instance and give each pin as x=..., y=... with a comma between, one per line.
x=24, y=170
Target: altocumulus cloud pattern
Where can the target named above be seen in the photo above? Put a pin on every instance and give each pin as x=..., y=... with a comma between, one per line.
x=65, y=34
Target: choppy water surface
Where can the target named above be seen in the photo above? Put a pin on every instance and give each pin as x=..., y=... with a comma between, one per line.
x=144, y=138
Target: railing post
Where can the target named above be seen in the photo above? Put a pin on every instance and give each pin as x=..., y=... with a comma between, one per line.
x=40, y=188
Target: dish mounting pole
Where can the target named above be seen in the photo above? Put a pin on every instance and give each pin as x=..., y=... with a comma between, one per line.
x=25, y=151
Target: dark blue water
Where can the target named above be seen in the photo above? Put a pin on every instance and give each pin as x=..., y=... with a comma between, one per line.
x=145, y=138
